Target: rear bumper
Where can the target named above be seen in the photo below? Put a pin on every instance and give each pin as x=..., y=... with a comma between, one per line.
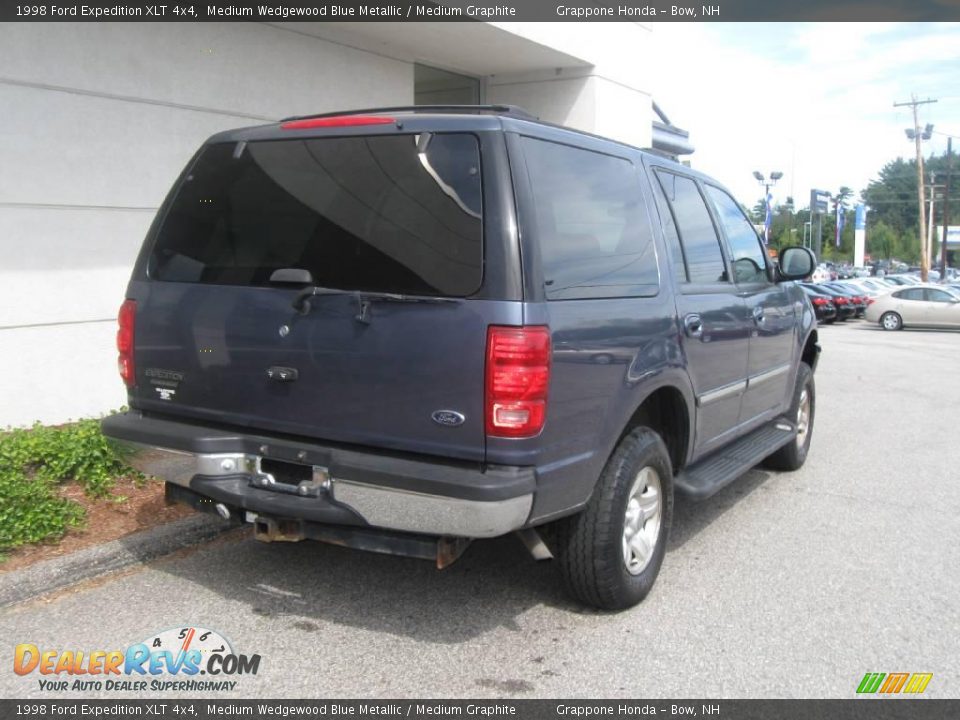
x=341, y=487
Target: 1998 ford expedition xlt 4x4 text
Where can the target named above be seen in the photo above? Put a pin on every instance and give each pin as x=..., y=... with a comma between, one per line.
x=403, y=329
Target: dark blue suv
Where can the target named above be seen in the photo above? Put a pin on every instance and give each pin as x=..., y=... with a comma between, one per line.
x=404, y=329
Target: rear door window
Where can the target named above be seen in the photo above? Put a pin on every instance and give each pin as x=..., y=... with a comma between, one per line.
x=593, y=228
x=360, y=213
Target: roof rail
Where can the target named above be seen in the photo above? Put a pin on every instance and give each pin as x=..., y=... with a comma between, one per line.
x=511, y=110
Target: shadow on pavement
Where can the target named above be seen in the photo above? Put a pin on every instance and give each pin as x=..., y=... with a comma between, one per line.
x=491, y=586
x=690, y=518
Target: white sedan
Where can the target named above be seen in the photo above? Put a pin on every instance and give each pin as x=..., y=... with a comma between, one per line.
x=916, y=305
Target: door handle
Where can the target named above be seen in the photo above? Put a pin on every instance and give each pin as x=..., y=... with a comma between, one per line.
x=693, y=325
x=758, y=316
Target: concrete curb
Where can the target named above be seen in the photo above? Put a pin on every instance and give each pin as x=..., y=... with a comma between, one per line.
x=18, y=586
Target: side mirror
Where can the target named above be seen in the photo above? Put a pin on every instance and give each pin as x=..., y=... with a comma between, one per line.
x=796, y=263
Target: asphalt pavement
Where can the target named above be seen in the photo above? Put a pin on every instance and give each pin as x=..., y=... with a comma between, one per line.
x=783, y=585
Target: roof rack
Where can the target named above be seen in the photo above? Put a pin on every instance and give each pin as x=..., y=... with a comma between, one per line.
x=511, y=110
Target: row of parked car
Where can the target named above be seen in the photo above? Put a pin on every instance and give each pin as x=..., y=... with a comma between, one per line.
x=892, y=301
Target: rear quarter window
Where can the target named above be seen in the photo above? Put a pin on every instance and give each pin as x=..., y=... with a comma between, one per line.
x=593, y=228
x=360, y=213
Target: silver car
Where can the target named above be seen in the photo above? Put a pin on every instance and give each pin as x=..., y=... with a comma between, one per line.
x=916, y=305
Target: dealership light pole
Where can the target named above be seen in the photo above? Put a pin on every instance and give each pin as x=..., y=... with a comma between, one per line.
x=774, y=176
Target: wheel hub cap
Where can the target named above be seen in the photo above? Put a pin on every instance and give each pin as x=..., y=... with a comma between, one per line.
x=641, y=522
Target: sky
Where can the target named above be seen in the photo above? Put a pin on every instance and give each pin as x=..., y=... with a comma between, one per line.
x=812, y=100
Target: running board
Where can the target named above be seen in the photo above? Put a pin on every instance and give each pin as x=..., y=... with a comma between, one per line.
x=708, y=476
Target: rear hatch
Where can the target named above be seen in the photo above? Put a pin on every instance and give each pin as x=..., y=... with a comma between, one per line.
x=389, y=352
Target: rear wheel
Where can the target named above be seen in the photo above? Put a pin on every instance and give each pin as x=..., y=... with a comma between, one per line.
x=610, y=553
x=802, y=410
x=891, y=321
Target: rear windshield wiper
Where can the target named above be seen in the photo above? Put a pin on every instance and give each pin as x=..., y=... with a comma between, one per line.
x=301, y=301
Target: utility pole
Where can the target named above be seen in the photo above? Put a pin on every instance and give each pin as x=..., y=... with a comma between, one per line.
x=946, y=209
x=917, y=135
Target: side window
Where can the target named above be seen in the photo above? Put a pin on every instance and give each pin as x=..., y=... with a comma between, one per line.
x=934, y=295
x=594, y=232
x=749, y=261
x=701, y=246
x=670, y=234
x=910, y=294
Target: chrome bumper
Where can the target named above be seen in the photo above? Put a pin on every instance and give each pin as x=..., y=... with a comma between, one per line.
x=378, y=506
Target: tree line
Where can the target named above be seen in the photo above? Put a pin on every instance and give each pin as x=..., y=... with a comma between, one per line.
x=892, y=222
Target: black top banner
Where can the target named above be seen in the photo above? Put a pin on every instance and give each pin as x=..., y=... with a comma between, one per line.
x=483, y=11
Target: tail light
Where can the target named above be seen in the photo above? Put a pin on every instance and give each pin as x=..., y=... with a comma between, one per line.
x=840, y=301
x=871, y=301
x=517, y=376
x=820, y=301
x=126, y=319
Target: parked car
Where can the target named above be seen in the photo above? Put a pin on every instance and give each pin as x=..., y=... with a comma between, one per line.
x=920, y=306
x=329, y=333
x=846, y=308
x=823, y=306
x=902, y=280
x=854, y=296
x=877, y=286
x=857, y=286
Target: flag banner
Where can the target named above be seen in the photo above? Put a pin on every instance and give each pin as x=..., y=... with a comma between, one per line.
x=840, y=221
x=861, y=218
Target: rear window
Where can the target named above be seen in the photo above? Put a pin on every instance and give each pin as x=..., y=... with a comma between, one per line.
x=595, y=236
x=360, y=213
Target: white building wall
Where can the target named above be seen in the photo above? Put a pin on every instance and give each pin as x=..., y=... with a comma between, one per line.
x=97, y=121
x=608, y=94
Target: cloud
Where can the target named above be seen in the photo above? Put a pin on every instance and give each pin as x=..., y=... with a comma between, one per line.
x=813, y=100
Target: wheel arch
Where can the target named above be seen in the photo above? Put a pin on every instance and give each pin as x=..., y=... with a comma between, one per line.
x=665, y=410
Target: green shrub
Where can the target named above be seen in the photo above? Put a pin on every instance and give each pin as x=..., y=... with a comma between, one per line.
x=32, y=465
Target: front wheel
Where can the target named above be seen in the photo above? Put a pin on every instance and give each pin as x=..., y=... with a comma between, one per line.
x=792, y=455
x=611, y=552
x=891, y=321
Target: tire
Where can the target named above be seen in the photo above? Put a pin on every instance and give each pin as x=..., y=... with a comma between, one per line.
x=802, y=412
x=598, y=565
x=891, y=321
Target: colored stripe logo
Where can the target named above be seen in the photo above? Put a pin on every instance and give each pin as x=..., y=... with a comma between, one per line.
x=894, y=683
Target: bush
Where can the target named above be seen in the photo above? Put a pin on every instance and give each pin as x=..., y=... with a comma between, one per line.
x=34, y=462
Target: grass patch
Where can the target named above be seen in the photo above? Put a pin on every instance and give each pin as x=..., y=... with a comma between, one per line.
x=35, y=462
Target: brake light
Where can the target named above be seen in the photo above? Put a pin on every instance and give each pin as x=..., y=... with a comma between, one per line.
x=840, y=301
x=517, y=376
x=126, y=319
x=820, y=301
x=337, y=121
x=871, y=301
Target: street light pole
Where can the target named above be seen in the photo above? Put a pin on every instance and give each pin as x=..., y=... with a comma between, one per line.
x=774, y=176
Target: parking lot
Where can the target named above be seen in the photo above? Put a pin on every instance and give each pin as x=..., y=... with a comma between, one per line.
x=783, y=585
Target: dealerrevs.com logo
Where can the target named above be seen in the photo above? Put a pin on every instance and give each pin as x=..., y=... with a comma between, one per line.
x=168, y=661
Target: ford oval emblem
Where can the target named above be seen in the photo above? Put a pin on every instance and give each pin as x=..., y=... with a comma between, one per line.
x=448, y=418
